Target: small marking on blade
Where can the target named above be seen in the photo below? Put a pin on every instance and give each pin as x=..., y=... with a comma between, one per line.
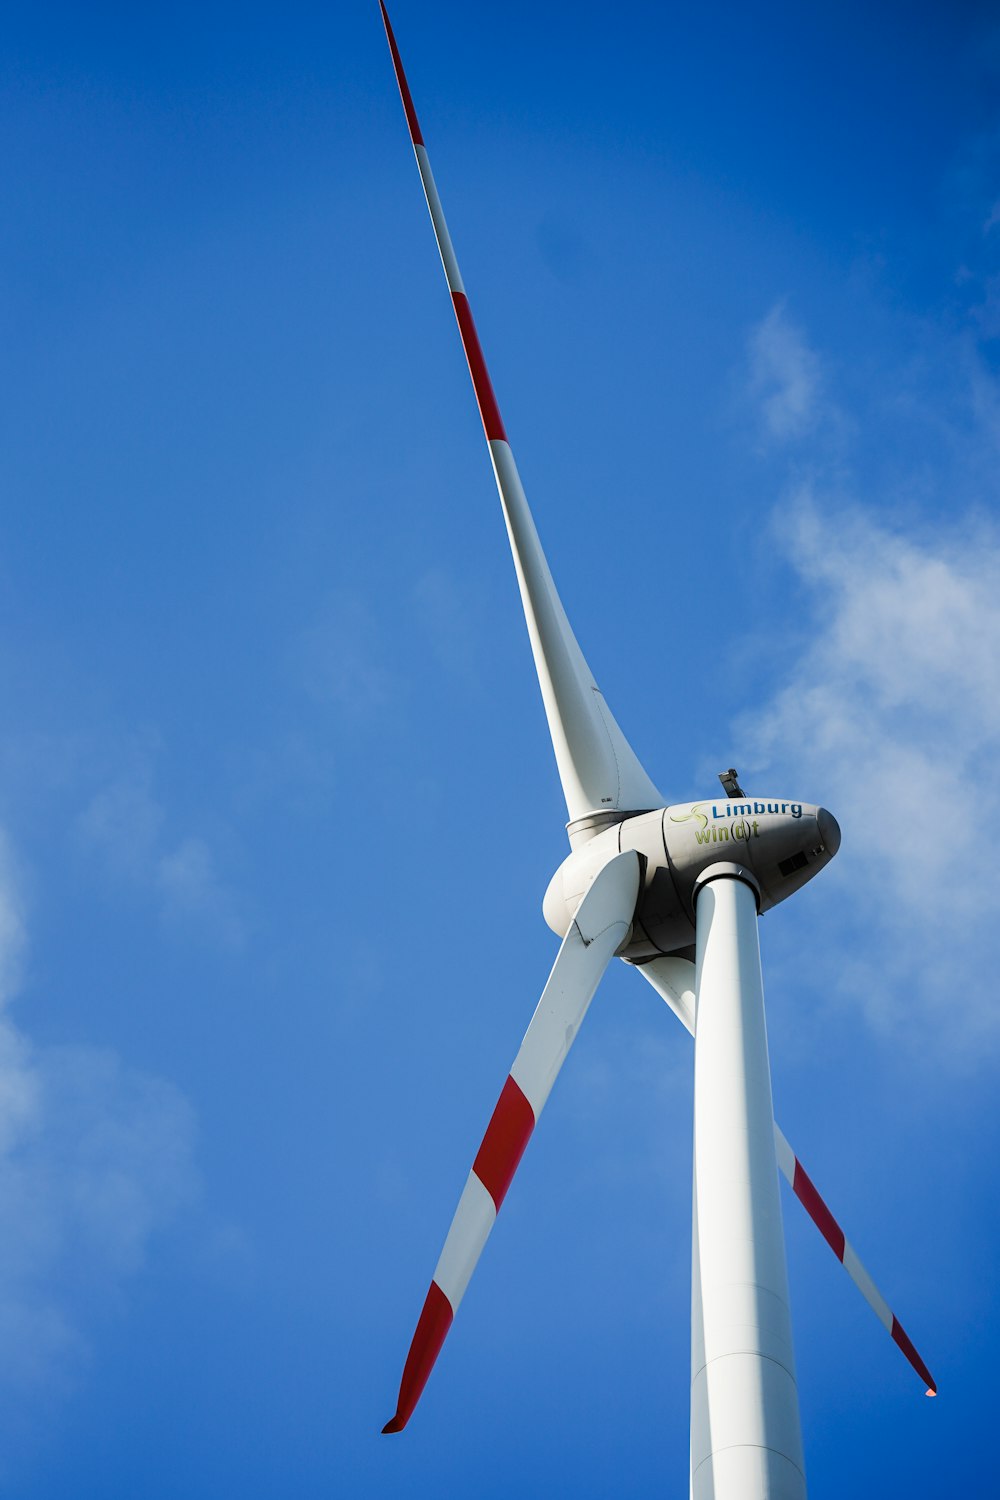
x=506, y=1136
x=805, y=1191
x=404, y=88
x=432, y=1326
x=902, y=1339
x=488, y=408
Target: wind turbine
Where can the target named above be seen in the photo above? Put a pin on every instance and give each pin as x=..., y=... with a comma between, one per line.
x=676, y=892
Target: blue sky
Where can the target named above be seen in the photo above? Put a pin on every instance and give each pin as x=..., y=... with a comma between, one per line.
x=276, y=798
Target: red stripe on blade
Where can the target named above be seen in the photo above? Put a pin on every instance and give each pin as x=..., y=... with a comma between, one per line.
x=817, y=1210
x=432, y=1326
x=503, y=1144
x=903, y=1341
x=488, y=408
x=404, y=88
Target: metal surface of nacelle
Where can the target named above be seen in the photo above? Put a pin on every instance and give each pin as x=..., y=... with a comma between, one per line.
x=782, y=843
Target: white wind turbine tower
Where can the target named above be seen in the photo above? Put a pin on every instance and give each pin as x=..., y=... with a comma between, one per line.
x=657, y=885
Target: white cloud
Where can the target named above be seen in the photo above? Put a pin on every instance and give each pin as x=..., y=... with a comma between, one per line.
x=341, y=657
x=893, y=708
x=124, y=821
x=12, y=935
x=191, y=888
x=446, y=613
x=95, y=1157
x=116, y=1147
x=125, y=824
x=785, y=376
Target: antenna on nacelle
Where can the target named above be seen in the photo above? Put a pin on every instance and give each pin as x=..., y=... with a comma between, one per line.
x=731, y=783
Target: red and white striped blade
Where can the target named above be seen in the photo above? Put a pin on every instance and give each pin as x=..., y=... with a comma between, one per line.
x=600, y=927
x=598, y=768
x=673, y=979
x=808, y=1195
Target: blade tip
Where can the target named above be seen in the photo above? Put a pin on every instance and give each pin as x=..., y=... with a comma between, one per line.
x=931, y=1390
x=395, y=1425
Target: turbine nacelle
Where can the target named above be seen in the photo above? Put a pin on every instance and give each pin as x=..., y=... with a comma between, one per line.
x=782, y=843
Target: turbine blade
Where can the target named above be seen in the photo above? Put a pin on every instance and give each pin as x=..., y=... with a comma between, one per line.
x=601, y=926
x=673, y=980
x=814, y=1205
x=598, y=768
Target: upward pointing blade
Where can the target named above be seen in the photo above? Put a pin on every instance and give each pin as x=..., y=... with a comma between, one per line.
x=598, y=768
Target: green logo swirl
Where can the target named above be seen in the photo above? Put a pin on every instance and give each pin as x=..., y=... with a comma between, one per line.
x=695, y=812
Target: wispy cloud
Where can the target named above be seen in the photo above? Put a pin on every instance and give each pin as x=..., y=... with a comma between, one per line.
x=892, y=708
x=126, y=826
x=341, y=658
x=446, y=615
x=785, y=376
x=12, y=933
x=95, y=1158
x=191, y=889
x=124, y=822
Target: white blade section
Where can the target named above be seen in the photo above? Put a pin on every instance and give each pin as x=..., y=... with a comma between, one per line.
x=600, y=928
x=598, y=768
x=673, y=979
